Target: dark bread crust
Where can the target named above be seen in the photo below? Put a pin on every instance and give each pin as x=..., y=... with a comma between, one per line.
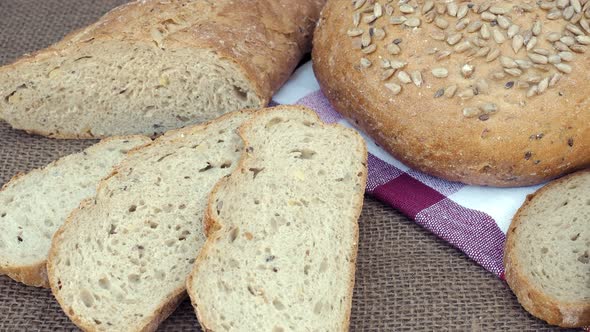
x=212, y=225
x=432, y=135
x=265, y=39
x=533, y=299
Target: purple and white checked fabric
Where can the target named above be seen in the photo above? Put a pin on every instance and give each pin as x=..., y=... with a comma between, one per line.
x=473, y=219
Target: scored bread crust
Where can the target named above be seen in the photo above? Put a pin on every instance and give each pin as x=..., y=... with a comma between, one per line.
x=169, y=305
x=514, y=147
x=264, y=39
x=36, y=274
x=212, y=224
x=534, y=300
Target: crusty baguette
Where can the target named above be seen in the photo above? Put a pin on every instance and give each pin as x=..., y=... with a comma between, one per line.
x=34, y=205
x=121, y=260
x=443, y=90
x=547, y=256
x=283, y=229
x=150, y=66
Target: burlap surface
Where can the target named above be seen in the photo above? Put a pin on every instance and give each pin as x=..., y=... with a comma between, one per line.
x=407, y=279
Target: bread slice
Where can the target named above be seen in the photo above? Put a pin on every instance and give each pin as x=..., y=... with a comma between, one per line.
x=150, y=65
x=34, y=205
x=121, y=261
x=547, y=256
x=283, y=229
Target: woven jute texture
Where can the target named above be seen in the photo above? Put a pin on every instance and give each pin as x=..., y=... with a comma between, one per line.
x=407, y=280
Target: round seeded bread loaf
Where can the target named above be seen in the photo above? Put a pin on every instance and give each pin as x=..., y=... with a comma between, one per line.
x=547, y=256
x=482, y=92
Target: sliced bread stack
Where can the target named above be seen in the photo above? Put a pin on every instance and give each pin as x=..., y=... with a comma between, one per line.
x=547, y=256
x=34, y=205
x=283, y=229
x=121, y=260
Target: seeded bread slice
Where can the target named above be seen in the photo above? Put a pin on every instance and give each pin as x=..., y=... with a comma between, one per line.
x=547, y=255
x=150, y=66
x=34, y=205
x=121, y=260
x=283, y=229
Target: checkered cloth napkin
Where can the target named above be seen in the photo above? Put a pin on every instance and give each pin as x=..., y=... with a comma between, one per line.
x=473, y=219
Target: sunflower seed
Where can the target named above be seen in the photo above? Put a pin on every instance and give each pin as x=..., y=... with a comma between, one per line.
x=462, y=47
x=438, y=35
x=428, y=5
x=440, y=72
x=554, y=79
x=359, y=3
x=471, y=112
x=403, y=77
x=393, y=49
x=542, y=51
x=462, y=12
x=498, y=36
x=513, y=71
x=406, y=9
x=577, y=5
x=369, y=49
x=584, y=40
x=386, y=74
x=369, y=18
x=474, y=26
x=522, y=85
x=531, y=44
x=554, y=14
x=454, y=38
x=538, y=58
x=504, y=22
x=416, y=78
x=354, y=32
x=385, y=63
x=513, y=30
x=396, y=20
x=562, y=67
x=534, y=79
x=553, y=36
x=585, y=25
x=543, y=85
x=452, y=8
x=482, y=52
x=389, y=9
x=412, y=22
x=450, y=91
x=554, y=58
x=537, y=27
x=517, y=43
x=508, y=62
x=493, y=55
x=568, y=13
x=356, y=19
x=566, y=56
x=466, y=94
x=498, y=75
x=487, y=16
x=485, y=32
x=523, y=64
x=441, y=23
x=395, y=64
x=489, y=108
x=568, y=40
x=396, y=89
x=378, y=10
x=578, y=48
x=532, y=91
x=378, y=33
x=442, y=55
x=561, y=46
x=461, y=24
x=483, y=7
x=366, y=63
x=561, y=4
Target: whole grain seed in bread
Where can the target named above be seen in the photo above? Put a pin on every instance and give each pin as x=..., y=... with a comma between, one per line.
x=529, y=59
x=34, y=205
x=283, y=229
x=150, y=66
x=547, y=256
x=120, y=261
